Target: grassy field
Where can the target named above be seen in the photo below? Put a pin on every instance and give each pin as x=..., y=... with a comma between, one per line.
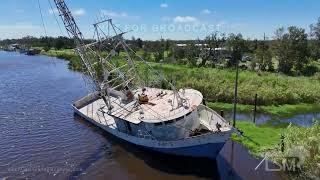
x=276, y=93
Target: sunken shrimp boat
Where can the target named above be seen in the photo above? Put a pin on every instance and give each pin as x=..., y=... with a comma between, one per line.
x=134, y=102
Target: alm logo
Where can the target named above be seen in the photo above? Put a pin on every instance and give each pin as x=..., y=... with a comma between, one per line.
x=290, y=161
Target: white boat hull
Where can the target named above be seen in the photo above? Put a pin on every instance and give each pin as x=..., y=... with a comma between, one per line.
x=203, y=146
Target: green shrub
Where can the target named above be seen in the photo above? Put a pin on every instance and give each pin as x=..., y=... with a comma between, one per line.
x=310, y=70
x=303, y=143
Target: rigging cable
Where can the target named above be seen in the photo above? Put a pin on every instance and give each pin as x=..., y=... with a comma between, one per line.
x=46, y=35
x=44, y=27
x=55, y=17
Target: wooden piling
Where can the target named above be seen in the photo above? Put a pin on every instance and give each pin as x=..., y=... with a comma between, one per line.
x=222, y=113
x=255, y=108
x=282, y=143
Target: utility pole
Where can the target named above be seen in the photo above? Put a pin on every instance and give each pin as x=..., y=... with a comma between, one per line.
x=235, y=95
x=162, y=42
x=263, y=46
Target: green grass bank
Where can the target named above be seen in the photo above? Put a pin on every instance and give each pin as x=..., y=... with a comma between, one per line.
x=303, y=142
x=282, y=111
x=278, y=94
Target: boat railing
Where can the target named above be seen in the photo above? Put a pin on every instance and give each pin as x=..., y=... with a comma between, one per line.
x=211, y=118
x=113, y=124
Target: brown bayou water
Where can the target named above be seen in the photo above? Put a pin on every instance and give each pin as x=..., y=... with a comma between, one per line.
x=41, y=138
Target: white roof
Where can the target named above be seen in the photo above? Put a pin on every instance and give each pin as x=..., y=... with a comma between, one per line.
x=181, y=45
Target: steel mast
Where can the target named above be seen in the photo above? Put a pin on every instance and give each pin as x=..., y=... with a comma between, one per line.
x=74, y=32
x=107, y=76
x=87, y=56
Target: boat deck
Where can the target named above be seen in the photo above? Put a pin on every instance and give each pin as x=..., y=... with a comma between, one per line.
x=92, y=111
x=162, y=106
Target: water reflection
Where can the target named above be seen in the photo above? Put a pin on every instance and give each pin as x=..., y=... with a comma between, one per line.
x=305, y=120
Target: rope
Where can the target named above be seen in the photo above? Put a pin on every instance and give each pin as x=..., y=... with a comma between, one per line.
x=44, y=27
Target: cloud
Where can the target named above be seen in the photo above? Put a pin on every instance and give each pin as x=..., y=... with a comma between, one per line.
x=205, y=11
x=185, y=19
x=164, y=5
x=79, y=12
x=113, y=14
x=75, y=12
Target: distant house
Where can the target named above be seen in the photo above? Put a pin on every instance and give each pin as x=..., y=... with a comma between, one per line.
x=13, y=47
x=201, y=45
x=198, y=45
x=181, y=45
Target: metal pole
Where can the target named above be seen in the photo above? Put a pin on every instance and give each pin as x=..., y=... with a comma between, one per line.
x=264, y=39
x=235, y=96
x=255, y=108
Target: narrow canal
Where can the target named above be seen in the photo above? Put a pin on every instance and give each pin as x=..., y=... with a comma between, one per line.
x=41, y=138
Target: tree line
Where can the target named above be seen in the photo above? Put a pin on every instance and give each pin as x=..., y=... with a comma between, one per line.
x=43, y=42
x=291, y=51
